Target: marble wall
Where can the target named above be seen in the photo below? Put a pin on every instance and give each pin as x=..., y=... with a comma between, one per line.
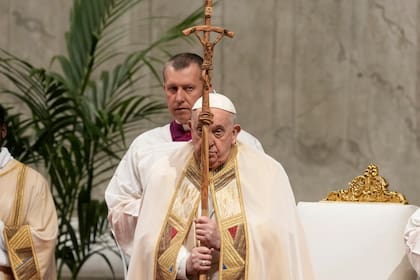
x=328, y=86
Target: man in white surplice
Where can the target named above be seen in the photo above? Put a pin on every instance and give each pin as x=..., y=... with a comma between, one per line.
x=26, y=203
x=182, y=86
x=253, y=230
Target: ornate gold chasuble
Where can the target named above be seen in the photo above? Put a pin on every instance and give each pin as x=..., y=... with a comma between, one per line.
x=18, y=237
x=225, y=192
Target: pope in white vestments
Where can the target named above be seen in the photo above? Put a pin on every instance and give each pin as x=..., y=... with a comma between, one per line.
x=253, y=231
x=183, y=85
x=123, y=197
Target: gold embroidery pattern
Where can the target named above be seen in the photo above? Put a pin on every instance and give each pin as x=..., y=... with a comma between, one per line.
x=193, y=174
x=21, y=254
x=223, y=178
x=20, y=193
x=18, y=238
x=178, y=222
x=233, y=248
x=230, y=216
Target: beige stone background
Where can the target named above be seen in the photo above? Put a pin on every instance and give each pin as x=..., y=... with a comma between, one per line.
x=328, y=86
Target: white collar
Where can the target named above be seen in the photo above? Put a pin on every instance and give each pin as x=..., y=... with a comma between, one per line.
x=5, y=157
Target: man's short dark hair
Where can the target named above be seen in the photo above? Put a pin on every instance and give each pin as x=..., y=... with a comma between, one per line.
x=183, y=60
x=2, y=115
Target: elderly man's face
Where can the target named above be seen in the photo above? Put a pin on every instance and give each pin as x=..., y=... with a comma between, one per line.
x=222, y=134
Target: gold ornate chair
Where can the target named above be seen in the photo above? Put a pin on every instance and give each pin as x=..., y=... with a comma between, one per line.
x=357, y=233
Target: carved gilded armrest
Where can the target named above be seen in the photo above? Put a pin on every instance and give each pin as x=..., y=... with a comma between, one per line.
x=369, y=187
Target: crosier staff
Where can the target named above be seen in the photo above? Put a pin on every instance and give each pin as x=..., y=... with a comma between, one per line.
x=206, y=118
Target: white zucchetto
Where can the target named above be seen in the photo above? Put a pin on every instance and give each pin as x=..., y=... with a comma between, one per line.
x=216, y=100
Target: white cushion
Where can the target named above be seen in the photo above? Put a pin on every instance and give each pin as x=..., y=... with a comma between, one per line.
x=362, y=241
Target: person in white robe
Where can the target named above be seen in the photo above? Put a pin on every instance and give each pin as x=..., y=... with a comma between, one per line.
x=183, y=85
x=253, y=230
x=412, y=240
x=26, y=205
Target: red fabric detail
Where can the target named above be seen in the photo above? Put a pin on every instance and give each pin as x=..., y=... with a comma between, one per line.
x=173, y=232
x=232, y=231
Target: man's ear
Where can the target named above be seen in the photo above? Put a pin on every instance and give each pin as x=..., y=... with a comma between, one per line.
x=235, y=132
x=236, y=129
